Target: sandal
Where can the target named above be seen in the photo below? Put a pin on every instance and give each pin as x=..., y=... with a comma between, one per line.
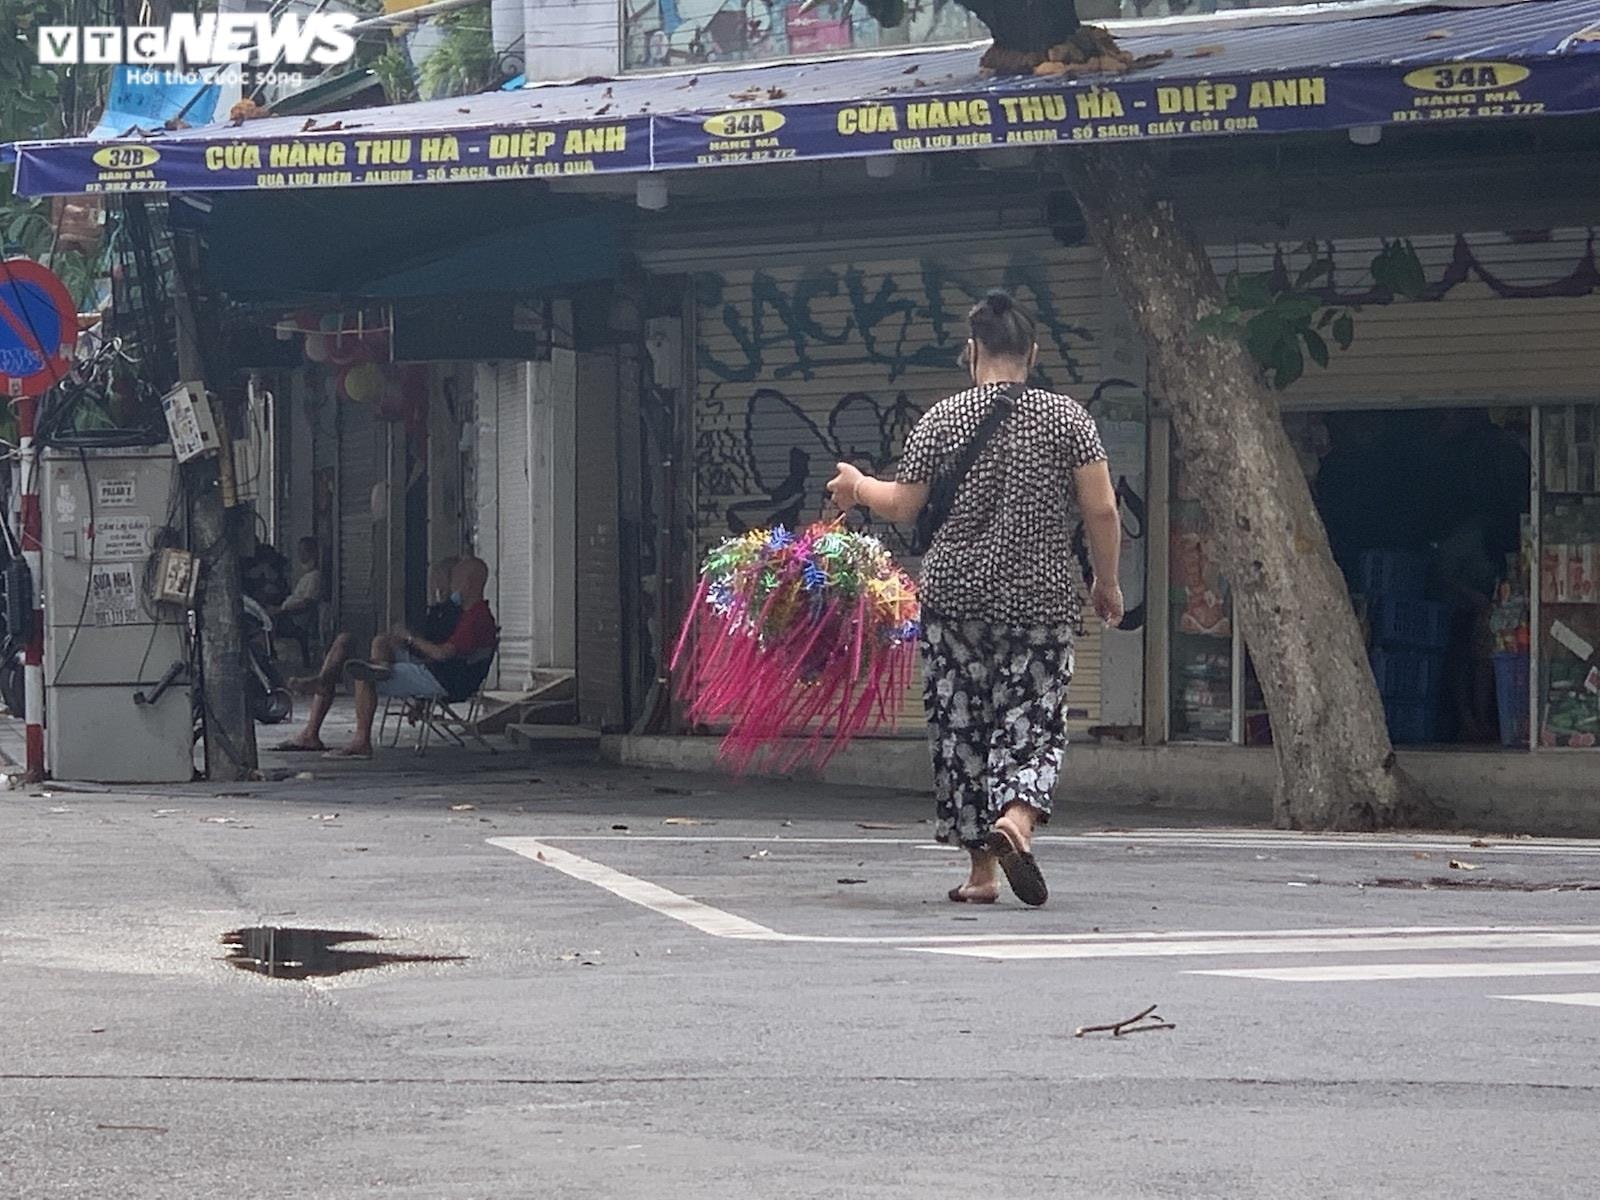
x=1022, y=870
x=960, y=895
x=292, y=747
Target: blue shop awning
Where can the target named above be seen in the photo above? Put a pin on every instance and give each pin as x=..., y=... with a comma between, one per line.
x=1434, y=66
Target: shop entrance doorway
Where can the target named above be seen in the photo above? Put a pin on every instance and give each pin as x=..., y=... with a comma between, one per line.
x=1428, y=515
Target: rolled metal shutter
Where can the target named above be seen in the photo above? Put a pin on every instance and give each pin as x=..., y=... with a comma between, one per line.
x=1513, y=324
x=511, y=573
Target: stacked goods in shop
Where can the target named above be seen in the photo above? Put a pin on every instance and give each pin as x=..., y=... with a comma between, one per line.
x=1409, y=635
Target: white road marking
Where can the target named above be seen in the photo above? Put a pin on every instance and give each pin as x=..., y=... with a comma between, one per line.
x=1363, y=972
x=1133, y=944
x=1270, y=943
x=1586, y=999
x=640, y=891
x=1244, y=839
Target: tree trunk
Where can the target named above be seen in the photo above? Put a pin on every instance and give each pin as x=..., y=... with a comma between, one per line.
x=1336, y=767
x=229, y=726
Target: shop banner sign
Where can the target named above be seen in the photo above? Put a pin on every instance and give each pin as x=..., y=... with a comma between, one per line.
x=1001, y=113
x=315, y=160
x=1130, y=110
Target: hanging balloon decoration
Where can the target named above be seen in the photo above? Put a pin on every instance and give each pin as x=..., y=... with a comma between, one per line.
x=348, y=349
x=362, y=383
x=317, y=348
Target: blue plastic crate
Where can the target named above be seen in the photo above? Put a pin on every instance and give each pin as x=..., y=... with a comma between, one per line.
x=1409, y=624
x=1393, y=573
x=1412, y=721
x=1406, y=674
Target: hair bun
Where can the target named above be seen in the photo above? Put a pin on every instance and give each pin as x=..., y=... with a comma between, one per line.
x=999, y=303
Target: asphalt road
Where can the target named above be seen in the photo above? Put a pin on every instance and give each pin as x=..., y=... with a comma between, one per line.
x=745, y=993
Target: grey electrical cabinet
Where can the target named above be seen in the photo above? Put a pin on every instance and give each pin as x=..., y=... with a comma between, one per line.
x=106, y=514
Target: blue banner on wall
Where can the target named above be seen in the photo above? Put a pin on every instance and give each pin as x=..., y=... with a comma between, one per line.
x=992, y=114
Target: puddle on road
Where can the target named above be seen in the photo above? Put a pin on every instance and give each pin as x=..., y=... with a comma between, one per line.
x=284, y=952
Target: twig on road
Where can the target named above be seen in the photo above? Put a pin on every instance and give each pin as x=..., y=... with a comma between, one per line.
x=1128, y=1024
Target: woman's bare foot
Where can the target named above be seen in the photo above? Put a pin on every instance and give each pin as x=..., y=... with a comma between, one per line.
x=983, y=882
x=975, y=893
x=1018, y=822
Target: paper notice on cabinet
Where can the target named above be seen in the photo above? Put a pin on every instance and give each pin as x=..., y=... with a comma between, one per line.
x=1568, y=637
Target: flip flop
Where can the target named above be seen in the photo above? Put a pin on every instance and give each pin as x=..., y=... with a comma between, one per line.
x=957, y=894
x=297, y=748
x=1022, y=871
x=336, y=754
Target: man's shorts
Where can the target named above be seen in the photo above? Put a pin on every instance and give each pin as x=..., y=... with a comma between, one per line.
x=410, y=680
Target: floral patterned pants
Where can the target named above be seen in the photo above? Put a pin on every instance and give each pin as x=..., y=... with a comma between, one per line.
x=996, y=698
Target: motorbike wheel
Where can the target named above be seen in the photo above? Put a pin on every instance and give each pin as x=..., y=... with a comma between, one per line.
x=13, y=686
x=276, y=708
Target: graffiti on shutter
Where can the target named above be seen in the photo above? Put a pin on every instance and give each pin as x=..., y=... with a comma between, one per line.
x=802, y=367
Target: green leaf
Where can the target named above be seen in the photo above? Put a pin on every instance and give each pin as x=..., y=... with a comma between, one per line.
x=1255, y=291
x=1344, y=330
x=1296, y=307
x=1326, y=319
x=1264, y=333
x=1289, y=364
x=1217, y=324
x=1315, y=346
x=1230, y=287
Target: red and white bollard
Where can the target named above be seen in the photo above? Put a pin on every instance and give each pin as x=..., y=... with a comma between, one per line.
x=32, y=535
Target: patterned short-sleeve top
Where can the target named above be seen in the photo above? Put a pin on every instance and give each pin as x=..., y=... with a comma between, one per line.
x=1005, y=552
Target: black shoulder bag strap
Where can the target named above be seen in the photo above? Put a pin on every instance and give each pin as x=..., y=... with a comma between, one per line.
x=942, y=495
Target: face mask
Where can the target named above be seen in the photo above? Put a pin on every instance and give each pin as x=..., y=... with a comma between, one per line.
x=455, y=598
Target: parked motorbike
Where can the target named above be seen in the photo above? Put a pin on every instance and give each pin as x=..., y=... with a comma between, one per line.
x=270, y=701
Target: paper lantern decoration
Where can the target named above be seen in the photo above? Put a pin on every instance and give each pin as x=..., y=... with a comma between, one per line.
x=362, y=383
x=317, y=348
x=810, y=636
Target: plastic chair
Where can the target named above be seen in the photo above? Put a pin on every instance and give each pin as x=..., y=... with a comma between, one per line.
x=436, y=716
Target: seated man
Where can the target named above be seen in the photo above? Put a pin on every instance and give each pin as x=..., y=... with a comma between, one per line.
x=444, y=605
x=407, y=665
x=296, y=617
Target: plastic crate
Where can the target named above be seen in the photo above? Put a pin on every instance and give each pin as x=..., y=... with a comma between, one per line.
x=1393, y=573
x=1511, y=689
x=1409, y=624
x=1412, y=721
x=1406, y=674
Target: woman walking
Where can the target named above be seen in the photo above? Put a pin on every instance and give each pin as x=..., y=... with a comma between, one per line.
x=988, y=475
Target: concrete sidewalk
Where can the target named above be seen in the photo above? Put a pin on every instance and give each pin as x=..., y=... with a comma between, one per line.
x=1550, y=794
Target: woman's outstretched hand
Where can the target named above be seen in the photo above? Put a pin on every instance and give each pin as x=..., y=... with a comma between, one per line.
x=845, y=486
x=1106, y=596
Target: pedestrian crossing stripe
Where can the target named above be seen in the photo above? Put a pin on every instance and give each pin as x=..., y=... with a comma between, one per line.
x=1254, y=944
x=1585, y=999
x=1372, y=972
